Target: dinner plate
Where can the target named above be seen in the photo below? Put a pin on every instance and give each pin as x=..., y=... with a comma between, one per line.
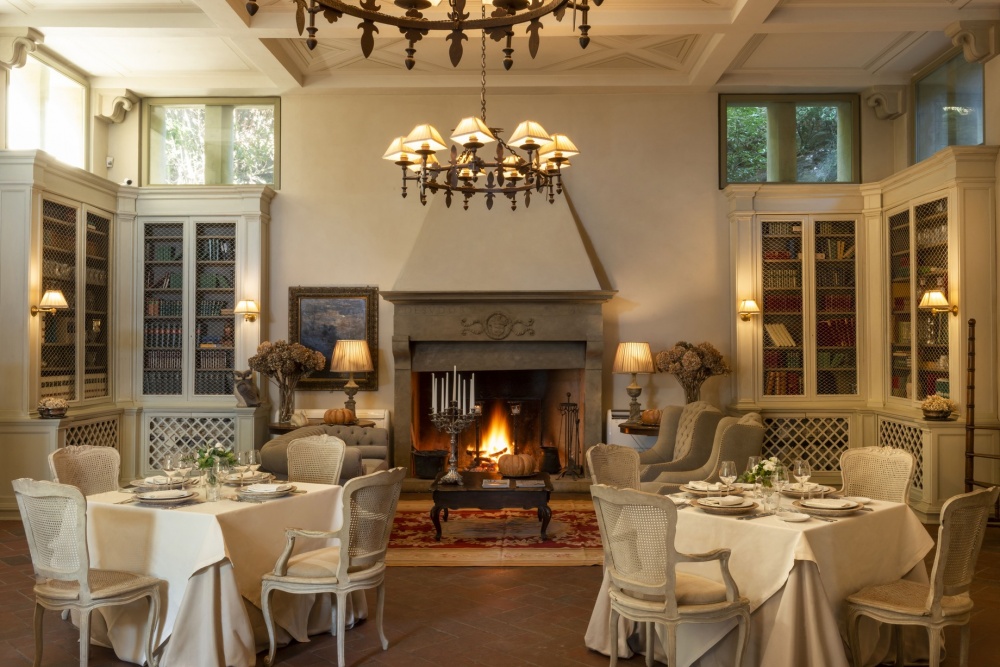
x=861, y=500
x=792, y=517
x=830, y=503
x=165, y=497
x=823, y=511
x=704, y=492
x=157, y=482
x=281, y=490
x=796, y=491
x=235, y=480
x=728, y=501
x=725, y=511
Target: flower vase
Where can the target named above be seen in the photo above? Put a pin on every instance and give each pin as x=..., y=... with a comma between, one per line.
x=692, y=393
x=767, y=494
x=286, y=404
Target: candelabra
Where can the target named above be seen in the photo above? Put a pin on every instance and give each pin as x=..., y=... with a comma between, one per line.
x=452, y=420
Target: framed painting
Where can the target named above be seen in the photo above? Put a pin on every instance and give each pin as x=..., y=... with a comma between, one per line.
x=320, y=316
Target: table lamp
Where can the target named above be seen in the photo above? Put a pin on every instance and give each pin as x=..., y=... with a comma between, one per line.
x=633, y=358
x=351, y=356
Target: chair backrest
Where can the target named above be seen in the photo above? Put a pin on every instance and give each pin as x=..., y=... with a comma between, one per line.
x=90, y=469
x=55, y=525
x=637, y=533
x=316, y=459
x=881, y=473
x=687, y=426
x=369, y=509
x=614, y=465
x=736, y=439
x=960, y=536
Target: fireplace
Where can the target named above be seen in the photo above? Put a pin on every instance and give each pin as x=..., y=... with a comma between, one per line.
x=526, y=319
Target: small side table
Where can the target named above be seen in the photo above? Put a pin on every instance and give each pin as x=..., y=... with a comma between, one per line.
x=639, y=429
x=281, y=428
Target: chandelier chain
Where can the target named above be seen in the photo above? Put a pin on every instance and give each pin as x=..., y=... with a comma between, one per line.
x=482, y=65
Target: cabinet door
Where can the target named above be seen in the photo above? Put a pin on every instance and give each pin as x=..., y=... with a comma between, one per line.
x=215, y=290
x=58, y=330
x=163, y=314
x=900, y=304
x=97, y=313
x=930, y=234
x=835, y=298
x=782, y=307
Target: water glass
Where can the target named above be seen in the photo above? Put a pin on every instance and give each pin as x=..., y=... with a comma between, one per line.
x=727, y=473
x=802, y=473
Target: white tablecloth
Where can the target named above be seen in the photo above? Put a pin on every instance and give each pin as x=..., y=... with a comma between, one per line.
x=796, y=576
x=212, y=556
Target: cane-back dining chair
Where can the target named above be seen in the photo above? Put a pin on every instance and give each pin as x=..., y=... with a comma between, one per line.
x=637, y=532
x=90, y=469
x=614, y=465
x=945, y=600
x=880, y=473
x=55, y=525
x=316, y=459
x=356, y=563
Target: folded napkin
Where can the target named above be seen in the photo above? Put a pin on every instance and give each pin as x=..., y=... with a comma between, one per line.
x=157, y=479
x=804, y=486
x=726, y=501
x=267, y=488
x=829, y=503
x=703, y=486
x=679, y=498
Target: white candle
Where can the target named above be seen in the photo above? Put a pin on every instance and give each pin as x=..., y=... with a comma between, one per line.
x=472, y=390
x=434, y=396
x=454, y=384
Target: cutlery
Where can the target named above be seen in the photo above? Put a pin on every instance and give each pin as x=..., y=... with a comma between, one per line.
x=751, y=516
x=127, y=501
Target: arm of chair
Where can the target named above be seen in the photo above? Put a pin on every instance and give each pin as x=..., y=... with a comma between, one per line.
x=662, y=450
x=721, y=555
x=281, y=566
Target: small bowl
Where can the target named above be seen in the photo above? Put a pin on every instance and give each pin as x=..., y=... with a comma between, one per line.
x=52, y=413
x=937, y=415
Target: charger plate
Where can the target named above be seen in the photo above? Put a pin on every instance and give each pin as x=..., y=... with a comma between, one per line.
x=729, y=510
x=245, y=494
x=259, y=478
x=704, y=492
x=821, y=511
x=791, y=492
x=165, y=497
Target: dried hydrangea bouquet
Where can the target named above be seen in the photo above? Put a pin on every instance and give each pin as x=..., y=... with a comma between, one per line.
x=286, y=363
x=692, y=365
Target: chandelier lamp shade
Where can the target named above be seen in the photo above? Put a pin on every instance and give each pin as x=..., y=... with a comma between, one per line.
x=414, y=26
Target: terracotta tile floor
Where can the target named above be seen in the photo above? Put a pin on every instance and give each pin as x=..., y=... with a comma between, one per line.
x=445, y=616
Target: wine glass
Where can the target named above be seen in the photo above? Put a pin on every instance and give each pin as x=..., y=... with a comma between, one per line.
x=751, y=476
x=168, y=464
x=185, y=464
x=241, y=465
x=253, y=462
x=802, y=473
x=727, y=473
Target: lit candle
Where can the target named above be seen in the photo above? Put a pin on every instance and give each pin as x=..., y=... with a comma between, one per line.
x=434, y=396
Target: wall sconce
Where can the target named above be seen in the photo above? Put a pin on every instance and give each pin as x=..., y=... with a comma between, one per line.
x=52, y=301
x=935, y=301
x=747, y=309
x=633, y=358
x=248, y=309
x=350, y=356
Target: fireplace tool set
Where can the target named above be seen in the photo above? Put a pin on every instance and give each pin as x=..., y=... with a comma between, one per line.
x=570, y=430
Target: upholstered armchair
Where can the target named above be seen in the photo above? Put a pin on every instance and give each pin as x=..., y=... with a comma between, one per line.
x=735, y=439
x=685, y=439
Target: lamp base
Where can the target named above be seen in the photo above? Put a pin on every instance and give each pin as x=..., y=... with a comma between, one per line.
x=634, y=409
x=350, y=402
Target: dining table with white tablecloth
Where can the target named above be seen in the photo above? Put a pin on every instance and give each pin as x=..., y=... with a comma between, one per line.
x=797, y=577
x=212, y=556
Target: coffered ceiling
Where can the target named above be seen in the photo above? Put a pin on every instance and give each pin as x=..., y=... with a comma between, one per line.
x=199, y=47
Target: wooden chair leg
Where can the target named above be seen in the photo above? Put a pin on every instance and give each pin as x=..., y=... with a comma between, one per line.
x=152, y=620
x=612, y=632
x=341, y=627
x=743, y=623
x=39, y=613
x=265, y=607
x=963, y=657
x=897, y=640
x=853, y=623
x=935, y=641
x=650, y=642
x=671, y=645
x=380, y=604
x=84, y=637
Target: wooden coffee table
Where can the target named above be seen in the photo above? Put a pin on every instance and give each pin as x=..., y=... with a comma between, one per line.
x=471, y=495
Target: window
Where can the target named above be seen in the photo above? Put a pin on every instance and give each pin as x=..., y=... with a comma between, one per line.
x=46, y=110
x=949, y=107
x=789, y=139
x=211, y=141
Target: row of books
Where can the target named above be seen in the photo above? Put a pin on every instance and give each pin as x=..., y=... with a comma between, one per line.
x=783, y=302
x=782, y=383
x=779, y=335
x=840, y=332
x=837, y=249
x=780, y=278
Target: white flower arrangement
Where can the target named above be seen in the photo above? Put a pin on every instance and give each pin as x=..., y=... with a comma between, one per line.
x=935, y=403
x=51, y=403
x=763, y=471
x=208, y=456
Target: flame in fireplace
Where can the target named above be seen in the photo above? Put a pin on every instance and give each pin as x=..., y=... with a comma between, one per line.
x=496, y=431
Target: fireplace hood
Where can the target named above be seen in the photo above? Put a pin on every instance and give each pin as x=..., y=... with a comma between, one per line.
x=497, y=290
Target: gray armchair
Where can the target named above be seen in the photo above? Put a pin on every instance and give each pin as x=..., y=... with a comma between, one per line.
x=367, y=449
x=736, y=439
x=685, y=439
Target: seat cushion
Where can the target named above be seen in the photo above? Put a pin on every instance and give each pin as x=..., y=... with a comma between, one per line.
x=104, y=584
x=907, y=597
x=691, y=590
x=316, y=564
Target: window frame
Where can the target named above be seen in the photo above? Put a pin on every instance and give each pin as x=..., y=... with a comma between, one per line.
x=150, y=102
x=726, y=98
x=54, y=62
x=911, y=115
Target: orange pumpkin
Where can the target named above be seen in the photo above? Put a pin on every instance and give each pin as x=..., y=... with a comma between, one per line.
x=339, y=416
x=516, y=465
x=651, y=417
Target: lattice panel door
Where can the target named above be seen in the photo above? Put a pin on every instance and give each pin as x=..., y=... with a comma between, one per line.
x=781, y=310
x=102, y=433
x=835, y=294
x=163, y=322
x=900, y=306
x=214, y=323
x=58, y=329
x=96, y=369
x=931, y=240
x=819, y=440
x=187, y=434
x=907, y=437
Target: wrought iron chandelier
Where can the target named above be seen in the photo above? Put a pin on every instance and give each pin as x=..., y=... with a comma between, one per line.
x=414, y=27
x=467, y=173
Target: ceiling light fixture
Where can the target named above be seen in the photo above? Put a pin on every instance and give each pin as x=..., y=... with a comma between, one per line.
x=467, y=173
x=412, y=24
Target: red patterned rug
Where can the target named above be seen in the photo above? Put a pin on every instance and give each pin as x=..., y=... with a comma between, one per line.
x=492, y=538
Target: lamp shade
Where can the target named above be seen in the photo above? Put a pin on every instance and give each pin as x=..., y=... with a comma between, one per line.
x=934, y=298
x=350, y=356
x=472, y=133
x=557, y=150
x=418, y=166
x=247, y=307
x=747, y=308
x=53, y=298
x=424, y=139
x=633, y=358
x=397, y=152
x=529, y=135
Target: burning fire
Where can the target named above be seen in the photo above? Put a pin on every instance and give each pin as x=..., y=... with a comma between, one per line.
x=496, y=438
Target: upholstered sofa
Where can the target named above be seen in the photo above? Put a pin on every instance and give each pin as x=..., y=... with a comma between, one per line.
x=367, y=449
x=685, y=438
